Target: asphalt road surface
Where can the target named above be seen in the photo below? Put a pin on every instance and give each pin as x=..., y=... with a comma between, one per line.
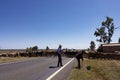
x=41, y=68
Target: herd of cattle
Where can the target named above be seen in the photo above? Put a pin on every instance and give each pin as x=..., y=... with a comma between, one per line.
x=101, y=55
x=87, y=54
x=19, y=54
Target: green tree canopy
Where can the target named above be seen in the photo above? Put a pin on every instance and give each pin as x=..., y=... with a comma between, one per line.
x=119, y=40
x=92, y=45
x=35, y=48
x=47, y=48
x=106, y=31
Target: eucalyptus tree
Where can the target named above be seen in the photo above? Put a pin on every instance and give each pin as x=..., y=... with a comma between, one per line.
x=106, y=31
x=92, y=45
x=119, y=40
x=35, y=48
x=47, y=48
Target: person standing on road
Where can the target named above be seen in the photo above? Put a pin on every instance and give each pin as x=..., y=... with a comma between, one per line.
x=59, y=52
x=78, y=57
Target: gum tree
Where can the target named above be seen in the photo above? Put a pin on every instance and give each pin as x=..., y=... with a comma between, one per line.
x=92, y=45
x=119, y=40
x=106, y=31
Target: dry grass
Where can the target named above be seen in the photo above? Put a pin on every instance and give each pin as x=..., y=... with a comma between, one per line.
x=10, y=59
x=100, y=70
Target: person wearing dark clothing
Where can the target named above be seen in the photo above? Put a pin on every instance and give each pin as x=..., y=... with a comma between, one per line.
x=59, y=52
x=78, y=57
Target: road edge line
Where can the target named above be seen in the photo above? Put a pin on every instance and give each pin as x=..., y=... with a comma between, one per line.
x=51, y=76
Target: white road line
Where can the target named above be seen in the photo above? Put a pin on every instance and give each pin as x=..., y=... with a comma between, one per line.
x=51, y=76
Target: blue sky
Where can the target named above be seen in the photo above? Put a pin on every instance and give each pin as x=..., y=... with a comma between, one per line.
x=26, y=23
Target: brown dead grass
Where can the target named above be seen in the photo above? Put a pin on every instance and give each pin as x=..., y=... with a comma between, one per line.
x=100, y=70
x=11, y=59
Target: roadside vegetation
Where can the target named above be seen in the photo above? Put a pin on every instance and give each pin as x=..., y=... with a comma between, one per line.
x=100, y=70
x=10, y=59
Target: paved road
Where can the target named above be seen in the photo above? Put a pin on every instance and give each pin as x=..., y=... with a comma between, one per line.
x=35, y=69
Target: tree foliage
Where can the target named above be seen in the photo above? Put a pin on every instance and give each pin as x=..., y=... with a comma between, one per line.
x=32, y=49
x=92, y=45
x=106, y=31
x=119, y=40
x=47, y=48
x=35, y=48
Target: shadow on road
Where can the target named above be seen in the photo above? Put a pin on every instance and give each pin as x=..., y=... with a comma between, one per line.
x=53, y=67
x=76, y=68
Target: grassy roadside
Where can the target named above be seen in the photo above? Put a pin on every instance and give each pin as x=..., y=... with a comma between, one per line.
x=100, y=70
x=10, y=59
